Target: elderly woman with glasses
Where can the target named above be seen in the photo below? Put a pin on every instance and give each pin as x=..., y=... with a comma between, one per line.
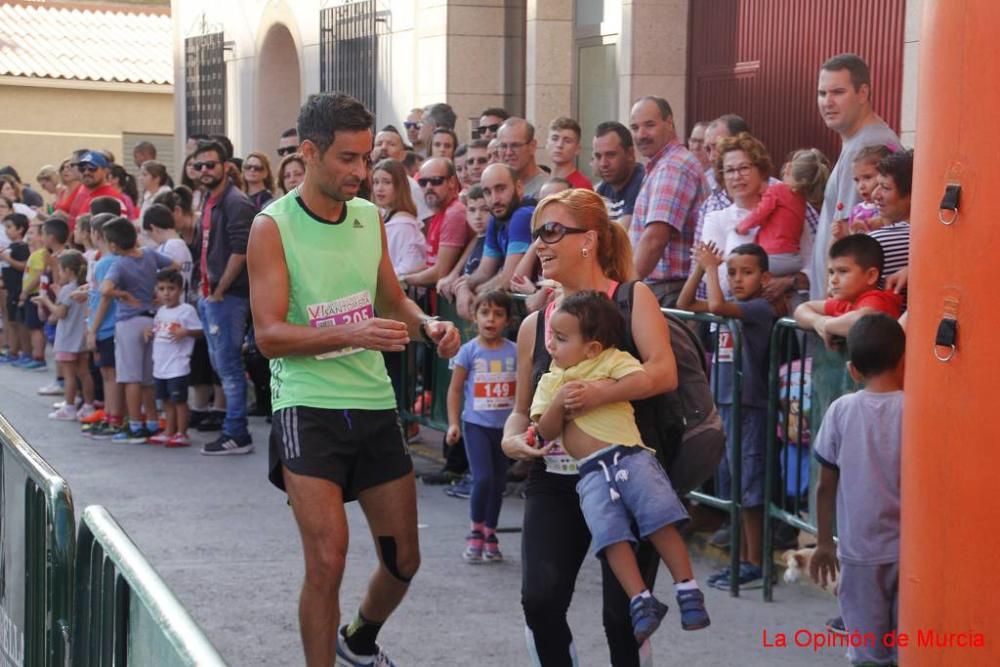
x=581, y=249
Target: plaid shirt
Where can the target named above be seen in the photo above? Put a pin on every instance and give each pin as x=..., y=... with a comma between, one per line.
x=719, y=199
x=671, y=193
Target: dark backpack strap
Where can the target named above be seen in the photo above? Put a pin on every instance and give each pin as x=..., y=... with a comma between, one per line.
x=624, y=295
x=540, y=358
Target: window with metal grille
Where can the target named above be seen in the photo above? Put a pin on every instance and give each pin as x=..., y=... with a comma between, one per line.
x=205, y=84
x=348, y=43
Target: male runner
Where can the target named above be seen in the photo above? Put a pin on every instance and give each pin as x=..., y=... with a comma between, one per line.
x=319, y=273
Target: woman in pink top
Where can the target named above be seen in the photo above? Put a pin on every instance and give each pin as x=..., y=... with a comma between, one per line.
x=781, y=213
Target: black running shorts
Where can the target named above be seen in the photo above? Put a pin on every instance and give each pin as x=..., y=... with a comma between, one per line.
x=354, y=449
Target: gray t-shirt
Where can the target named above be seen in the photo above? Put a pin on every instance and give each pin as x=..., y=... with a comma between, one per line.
x=72, y=329
x=840, y=189
x=861, y=437
x=137, y=276
x=533, y=186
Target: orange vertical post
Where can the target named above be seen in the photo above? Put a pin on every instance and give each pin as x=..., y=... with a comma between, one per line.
x=950, y=551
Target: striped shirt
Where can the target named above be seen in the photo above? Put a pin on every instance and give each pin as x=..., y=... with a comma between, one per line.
x=895, y=242
x=671, y=193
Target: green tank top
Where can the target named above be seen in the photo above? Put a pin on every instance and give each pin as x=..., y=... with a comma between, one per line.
x=332, y=280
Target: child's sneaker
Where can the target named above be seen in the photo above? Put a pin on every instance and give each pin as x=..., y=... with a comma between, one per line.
x=750, y=577
x=158, y=439
x=473, y=547
x=8, y=359
x=721, y=573
x=34, y=365
x=84, y=411
x=646, y=613
x=54, y=388
x=64, y=414
x=131, y=437
x=179, y=440
x=491, y=550
x=104, y=431
x=691, y=603
x=96, y=416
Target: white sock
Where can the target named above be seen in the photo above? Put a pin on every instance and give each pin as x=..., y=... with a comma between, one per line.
x=689, y=585
x=644, y=594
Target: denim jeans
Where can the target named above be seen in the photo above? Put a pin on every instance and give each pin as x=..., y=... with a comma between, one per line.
x=225, y=324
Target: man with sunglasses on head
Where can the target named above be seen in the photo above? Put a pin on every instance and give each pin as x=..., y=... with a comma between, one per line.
x=447, y=231
x=517, y=146
x=224, y=305
x=320, y=271
x=490, y=121
x=93, y=168
x=288, y=143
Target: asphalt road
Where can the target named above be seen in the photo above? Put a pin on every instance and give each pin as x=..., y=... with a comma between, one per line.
x=224, y=540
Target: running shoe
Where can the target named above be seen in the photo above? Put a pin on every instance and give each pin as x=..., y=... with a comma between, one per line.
x=85, y=411
x=345, y=658
x=646, y=613
x=95, y=417
x=179, y=440
x=34, y=365
x=473, y=548
x=104, y=431
x=461, y=489
x=54, y=388
x=9, y=359
x=64, y=414
x=130, y=437
x=691, y=604
x=491, y=550
x=750, y=577
x=836, y=626
x=721, y=573
x=226, y=445
x=22, y=361
x=158, y=439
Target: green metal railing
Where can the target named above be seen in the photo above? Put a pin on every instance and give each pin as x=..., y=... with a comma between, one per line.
x=36, y=568
x=804, y=378
x=125, y=613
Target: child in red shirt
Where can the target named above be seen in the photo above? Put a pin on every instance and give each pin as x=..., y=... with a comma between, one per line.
x=781, y=213
x=854, y=270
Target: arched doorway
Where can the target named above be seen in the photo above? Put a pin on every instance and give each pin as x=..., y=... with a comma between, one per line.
x=278, y=89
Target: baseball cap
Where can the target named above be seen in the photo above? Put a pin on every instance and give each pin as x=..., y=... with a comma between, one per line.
x=94, y=158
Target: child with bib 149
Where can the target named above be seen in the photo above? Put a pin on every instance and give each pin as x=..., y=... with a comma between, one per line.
x=621, y=480
x=484, y=371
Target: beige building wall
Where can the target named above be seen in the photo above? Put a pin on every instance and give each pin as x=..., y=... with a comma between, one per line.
x=911, y=65
x=43, y=124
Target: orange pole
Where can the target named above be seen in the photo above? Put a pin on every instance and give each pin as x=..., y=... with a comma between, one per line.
x=950, y=551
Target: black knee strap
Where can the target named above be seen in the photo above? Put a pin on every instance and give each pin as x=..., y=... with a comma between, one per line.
x=387, y=547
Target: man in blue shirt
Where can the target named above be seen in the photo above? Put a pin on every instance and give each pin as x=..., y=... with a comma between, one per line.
x=621, y=176
x=508, y=237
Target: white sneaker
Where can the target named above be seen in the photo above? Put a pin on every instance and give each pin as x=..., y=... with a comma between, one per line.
x=54, y=389
x=59, y=404
x=64, y=414
x=85, y=411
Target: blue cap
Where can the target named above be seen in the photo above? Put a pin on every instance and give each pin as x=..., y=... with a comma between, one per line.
x=94, y=158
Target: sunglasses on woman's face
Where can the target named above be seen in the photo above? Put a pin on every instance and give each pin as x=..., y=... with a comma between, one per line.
x=553, y=232
x=253, y=167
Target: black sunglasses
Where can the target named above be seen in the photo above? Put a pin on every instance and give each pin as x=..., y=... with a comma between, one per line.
x=207, y=164
x=412, y=124
x=431, y=180
x=553, y=232
x=490, y=128
x=86, y=167
x=287, y=150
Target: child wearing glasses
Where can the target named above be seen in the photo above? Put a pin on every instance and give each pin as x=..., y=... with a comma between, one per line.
x=781, y=213
x=621, y=481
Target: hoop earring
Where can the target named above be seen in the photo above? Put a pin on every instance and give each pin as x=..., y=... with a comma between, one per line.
x=584, y=252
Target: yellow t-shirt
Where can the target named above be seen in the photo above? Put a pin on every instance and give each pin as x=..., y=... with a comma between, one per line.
x=613, y=423
x=35, y=267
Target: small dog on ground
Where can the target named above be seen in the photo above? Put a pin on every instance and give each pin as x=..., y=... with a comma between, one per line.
x=797, y=565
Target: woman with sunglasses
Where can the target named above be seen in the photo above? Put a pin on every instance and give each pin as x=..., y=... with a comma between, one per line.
x=258, y=182
x=581, y=249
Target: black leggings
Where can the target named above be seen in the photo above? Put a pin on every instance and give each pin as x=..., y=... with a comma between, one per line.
x=554, y=543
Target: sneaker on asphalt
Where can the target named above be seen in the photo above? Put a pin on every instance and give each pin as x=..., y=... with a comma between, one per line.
x=460, y=489
x=721, y=573
x=721, y=537
x=21, y=361
x=491, y=550
x=441, y=477
x=53, y=389
x=127, y=436
x=750, y=577
x=8, y=359
x=345, y=658
x=104, y=431
x=473, y=548
x=179, y=440
x=95, y=417
x=35, y=365
x=691, y=604
x=225, y=445
x=646, y=613
x=64, y=414
x=84, y=411
x=836, y=626
x=211, y=422
x=158, y=439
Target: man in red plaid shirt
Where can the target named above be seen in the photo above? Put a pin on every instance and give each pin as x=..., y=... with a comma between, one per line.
x=666, y=210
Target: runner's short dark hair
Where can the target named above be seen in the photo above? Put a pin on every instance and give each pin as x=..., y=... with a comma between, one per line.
x=324, y=114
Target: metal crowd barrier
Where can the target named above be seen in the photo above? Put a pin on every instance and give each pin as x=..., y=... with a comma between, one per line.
x=804, y=378
x=36, y=556
x=125, y=613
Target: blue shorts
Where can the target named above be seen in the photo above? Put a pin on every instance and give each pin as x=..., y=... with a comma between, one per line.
x=624, y=486
x=31, y=317
x=172, y=389
x=106, y=353
x=753, y=439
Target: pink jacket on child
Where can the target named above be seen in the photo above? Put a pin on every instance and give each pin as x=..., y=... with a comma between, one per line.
x=780, y=215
